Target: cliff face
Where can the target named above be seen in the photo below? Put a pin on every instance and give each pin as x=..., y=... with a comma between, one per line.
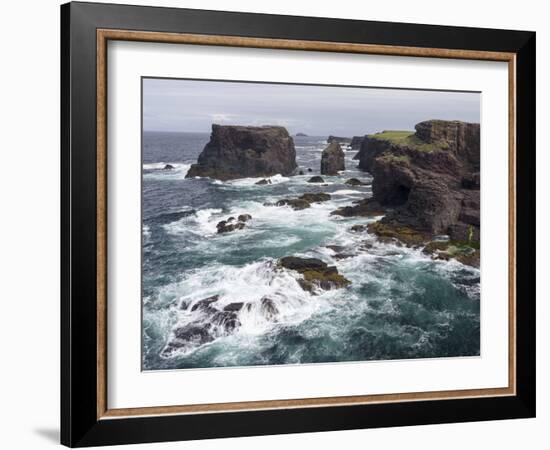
x=241, y=152
x=332, y=159
x=356, y=142
x=429, y=179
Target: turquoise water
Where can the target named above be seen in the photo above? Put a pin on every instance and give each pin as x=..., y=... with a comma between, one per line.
x=400, y=304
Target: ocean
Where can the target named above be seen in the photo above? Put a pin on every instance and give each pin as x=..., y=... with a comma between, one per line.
x=400, y=304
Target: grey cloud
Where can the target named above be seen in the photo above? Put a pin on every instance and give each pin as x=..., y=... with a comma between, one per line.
x=191, y=105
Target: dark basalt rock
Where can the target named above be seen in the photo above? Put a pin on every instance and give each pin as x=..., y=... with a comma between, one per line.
x=240, y=152
x=358, y=228
x=304, y=201
x=204, y=304
x=471, y=181
x=354, y=182
x=309, y=169
x=168, y=167
x=294, y=203
x=263, y=182
x=316, y=273
x=232, y=224
x=356, y=142
x=332, y=159
x=363, y=208
x=234, y=307
x=301, y=172
x=316, y=179
x=228, y=321
x=188, y=337
x=226, y=226
x=269, y=309
x=315, y=197
x=301, y=135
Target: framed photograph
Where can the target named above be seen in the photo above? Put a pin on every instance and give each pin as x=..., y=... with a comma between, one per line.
x=277, y=224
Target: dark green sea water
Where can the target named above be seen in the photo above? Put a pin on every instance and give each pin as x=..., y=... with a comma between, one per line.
x=400, y=305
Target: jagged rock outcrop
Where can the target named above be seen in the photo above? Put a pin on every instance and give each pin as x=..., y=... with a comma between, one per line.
x=241, y=151
x=363, y=208
x=354, y=182
x=316, y=274
x=429, y=178
x=316, y=179
x=332, y=159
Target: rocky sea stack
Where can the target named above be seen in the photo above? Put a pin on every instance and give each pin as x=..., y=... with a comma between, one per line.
x=332, y=159
x=241, y=152
x=429, y=179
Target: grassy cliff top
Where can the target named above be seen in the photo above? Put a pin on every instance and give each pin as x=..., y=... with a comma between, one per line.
x=406, y=139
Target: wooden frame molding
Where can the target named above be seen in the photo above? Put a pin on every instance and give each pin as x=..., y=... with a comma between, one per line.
x=103, y=36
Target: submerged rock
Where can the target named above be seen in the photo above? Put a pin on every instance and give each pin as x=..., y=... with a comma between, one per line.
x=294, y=203
x=237, y=306
x=232, y=224
x=205, y=304
x=465, y=252
x=316, y=179
x=301, y=172
x=269, y=309
x=241, y=151
x=168, y=167
x=354, y=182
x=187, y=338
x=363, y=208
x=315, y=197
x=392, y=232
x=309, y=169
x=358, y=228
x=315, y=273
x=226, y=226
x=332, y=160
x=263, y=182
x=304, y=201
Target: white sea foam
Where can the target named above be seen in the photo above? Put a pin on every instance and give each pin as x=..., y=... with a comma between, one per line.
x=348, y=192
x=232, y=285
x=202, y=222
x=246, y=182
x=158, y=172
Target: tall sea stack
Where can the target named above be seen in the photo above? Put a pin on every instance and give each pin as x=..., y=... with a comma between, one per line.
x=241, y=152
x=332, y=159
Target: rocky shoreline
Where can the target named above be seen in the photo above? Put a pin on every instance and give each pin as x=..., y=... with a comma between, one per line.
x=425, y=183
x=425, y=195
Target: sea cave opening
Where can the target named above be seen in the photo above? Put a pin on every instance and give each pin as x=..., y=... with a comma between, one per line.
x=399, y=195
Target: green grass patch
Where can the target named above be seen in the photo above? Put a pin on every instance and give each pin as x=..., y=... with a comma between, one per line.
x=407, y=139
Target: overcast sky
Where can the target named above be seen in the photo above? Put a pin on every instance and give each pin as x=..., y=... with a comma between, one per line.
x=189, y=105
